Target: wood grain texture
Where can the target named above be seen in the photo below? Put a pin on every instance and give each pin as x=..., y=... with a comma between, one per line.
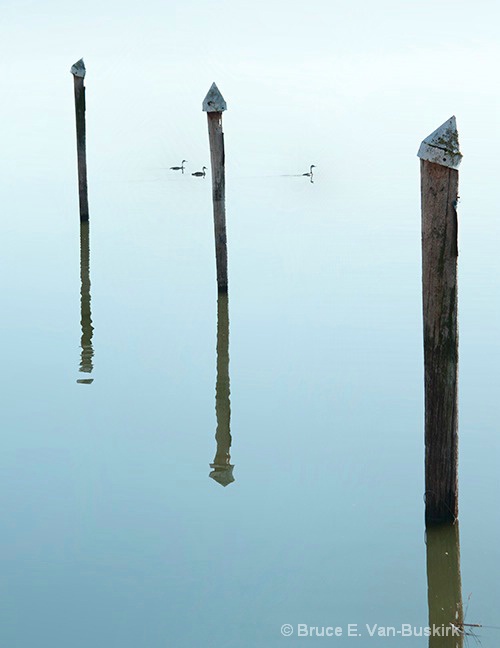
x=439, y=188
x=216, y=139
x=81, y=147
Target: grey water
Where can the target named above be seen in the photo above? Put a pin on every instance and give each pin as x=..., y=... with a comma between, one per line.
x=235, y=465
x=180, y=469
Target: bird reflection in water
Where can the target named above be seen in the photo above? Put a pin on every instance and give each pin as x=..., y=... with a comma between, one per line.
x=86, y=365
x=444, y=585
x=222, y=469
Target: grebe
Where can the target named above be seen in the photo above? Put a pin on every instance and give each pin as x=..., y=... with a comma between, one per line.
x=181, y=168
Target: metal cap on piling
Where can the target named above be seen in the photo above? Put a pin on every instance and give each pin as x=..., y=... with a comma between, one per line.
x=214, y=101
x=78, y=69
x=441, y=146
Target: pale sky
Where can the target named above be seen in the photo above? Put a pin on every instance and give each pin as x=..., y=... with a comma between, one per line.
x=332, y=82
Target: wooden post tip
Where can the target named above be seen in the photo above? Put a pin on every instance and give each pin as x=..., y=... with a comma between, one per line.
x=78, y=69
x=441, y=146
x=214, y=101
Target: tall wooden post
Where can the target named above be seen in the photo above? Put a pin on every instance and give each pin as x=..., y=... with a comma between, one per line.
x=86, y=364
x=444, y=583
x=214, y=105
x=78, y=72
x=440, y=157
x=222, y=469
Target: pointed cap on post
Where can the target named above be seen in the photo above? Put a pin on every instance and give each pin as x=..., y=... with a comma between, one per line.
x=78, y=69
x=441, y=146
x=214, y=101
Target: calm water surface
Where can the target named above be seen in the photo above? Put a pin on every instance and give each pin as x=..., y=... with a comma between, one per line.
x=181, y=470
x=193, y=496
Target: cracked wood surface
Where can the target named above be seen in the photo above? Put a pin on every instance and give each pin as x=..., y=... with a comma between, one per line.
x=439, y=187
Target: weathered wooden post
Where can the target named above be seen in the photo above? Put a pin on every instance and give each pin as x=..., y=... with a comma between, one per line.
x=440, y=158
x=444, y=587
x=222, y=469
x=78, y=72
x=214, y=105
x=86, y=365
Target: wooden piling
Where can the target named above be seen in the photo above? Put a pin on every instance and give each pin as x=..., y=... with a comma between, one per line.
x=440, y=158
x=214, y=105
x=87, y=350
x=78, y=71
x=222, y=469
x=444, y=586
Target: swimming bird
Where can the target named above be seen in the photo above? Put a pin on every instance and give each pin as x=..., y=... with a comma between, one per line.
x=181, y=168
x=200, y=174
x=309, y=175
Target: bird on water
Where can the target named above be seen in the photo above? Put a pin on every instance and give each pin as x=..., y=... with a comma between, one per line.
x=200, y=174
x=310, y=174
x=179, y=168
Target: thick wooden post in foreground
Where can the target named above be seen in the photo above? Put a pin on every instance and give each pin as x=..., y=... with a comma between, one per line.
x=222, y=468
x=214, y=105
x=78, y=72
x=440, y=157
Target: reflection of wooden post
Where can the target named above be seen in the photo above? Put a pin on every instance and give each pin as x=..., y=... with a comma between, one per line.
x=214, y=105
x=86, y=365
x=222, y=469
x=440, y=158
x=78, y=72
x=444, y=586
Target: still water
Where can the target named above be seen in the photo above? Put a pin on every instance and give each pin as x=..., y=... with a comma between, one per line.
x=180, y=469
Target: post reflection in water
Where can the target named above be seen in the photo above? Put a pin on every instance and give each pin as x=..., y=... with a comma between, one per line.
x=222, y=469
x=444, y=585
x=86, y=365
